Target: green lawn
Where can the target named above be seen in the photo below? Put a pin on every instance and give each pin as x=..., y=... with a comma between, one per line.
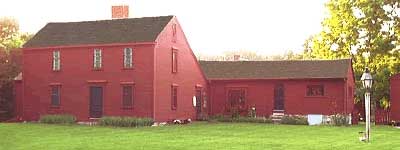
x=195, y=136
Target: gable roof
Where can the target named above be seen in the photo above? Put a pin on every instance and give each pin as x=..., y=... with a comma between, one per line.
x=99, y=32
x=292, y=69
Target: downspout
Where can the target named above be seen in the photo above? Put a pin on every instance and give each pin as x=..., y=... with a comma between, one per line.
x=154, y=80
x=345, y=96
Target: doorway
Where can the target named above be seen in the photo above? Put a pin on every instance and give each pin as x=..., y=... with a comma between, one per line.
x=96, y=102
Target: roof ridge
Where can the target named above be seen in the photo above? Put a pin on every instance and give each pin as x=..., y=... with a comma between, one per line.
x=307, y=60
x=101, y=20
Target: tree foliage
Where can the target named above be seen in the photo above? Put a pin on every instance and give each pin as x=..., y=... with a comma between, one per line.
x=10, y=61
x=366, y=31
x=249, y=55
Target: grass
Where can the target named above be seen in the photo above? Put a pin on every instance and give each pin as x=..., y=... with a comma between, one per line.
x=195, y=136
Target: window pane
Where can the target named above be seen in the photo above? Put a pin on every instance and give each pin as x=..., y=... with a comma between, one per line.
x=55, y=96
x=56, y=60
x=174, y=62
x=174, y=98
x=127, y=96
x=97, y=58
x=315, y=90
x=174, y=37
x=128, y=57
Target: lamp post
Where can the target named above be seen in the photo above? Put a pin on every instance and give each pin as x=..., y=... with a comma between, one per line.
x=367, y=80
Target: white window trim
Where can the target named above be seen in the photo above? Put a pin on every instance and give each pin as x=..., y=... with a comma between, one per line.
x=128, y=58
x=56, y=60
x=97, y=58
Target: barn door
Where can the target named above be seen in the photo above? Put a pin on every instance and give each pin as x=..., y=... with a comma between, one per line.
x=279, y=94
x=199, y=99
x=96, y=102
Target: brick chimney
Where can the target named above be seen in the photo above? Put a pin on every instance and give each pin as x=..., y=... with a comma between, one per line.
x=119, y=11
x=236, y=57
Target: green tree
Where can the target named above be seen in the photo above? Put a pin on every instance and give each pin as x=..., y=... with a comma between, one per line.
x=366, y=31
x=10, y=62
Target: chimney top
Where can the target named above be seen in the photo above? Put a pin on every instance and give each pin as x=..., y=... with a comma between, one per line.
x=119, y=11
x=236, y=57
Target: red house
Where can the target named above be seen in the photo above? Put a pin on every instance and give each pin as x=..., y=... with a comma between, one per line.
x=144, y=67
x=290, y=87
x=140, y=67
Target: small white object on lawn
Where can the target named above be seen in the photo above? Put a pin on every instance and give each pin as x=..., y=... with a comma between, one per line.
x=314, y=119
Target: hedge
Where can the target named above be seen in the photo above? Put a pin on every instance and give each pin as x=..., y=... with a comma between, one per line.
x=221, y=118
x=58, y=119
x=294, y=120
x=125, y=121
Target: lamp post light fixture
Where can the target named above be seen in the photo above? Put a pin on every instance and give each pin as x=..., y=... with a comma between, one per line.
x=367, y=80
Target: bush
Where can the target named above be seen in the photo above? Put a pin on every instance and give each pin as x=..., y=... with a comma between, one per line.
x=125, y=121
x=294, y=120
x=253, y=120
x=340, y=120
x=221, y=118
x=57, y=119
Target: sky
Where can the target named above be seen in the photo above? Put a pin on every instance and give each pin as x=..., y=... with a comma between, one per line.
x=268, y=27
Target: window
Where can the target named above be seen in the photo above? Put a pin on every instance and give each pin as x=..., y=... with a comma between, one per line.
x=55, y=95
x=128, y=58
x=174, y=61
x=97, y=59
x=174, y=97
x=174, y=33
x=127, y=96
x=56, y=60
x=315, y=90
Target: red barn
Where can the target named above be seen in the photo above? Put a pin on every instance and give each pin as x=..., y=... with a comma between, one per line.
x=291, y=87
x=123, y=67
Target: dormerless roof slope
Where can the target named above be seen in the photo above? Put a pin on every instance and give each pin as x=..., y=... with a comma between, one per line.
x=99, y=32
x=293, y=69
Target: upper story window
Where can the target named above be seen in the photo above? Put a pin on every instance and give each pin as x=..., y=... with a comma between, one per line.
x=127, y=96
x=174, y=33
x=315, y=90
x=55, y=95
x=127, y=57
x=174, y=61
x=97, y=59
x=56, y=60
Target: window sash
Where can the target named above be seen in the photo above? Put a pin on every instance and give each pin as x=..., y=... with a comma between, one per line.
x=174, y=62
x=128, y=58
x=55, y=96
x=315, y=90
x=97, y=59
x=174, y=97
x=127, y=96
x=56, y=60
x=174, y=37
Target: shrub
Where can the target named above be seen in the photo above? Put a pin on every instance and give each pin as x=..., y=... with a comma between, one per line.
x=58, y=119
x=340, y=120
x=294, y=120
x=253, y=120
x=221, y=118
x=125, y=121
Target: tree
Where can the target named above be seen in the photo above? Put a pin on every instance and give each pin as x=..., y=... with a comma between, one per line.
x=366, y=31
x=10, y=62
x=249, y=56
